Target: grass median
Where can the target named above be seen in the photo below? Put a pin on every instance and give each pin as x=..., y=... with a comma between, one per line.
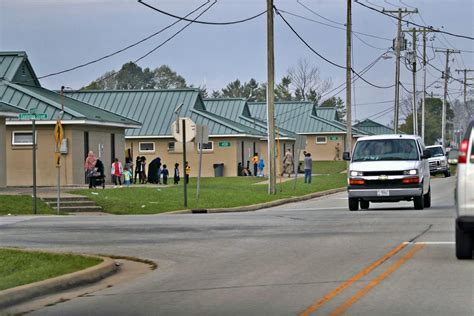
x=22, y=205
x=20, y=267
x=215, y=193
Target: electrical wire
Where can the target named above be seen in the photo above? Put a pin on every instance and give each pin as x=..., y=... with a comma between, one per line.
x=319, y=15
x=416, y=24
x=324, y=58
x=122, y=49
x=201, y=22
x=161, y=44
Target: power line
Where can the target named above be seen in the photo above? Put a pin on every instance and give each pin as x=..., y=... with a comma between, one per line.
x=315, y=13
x=202, y=22
x=162, y=43
x=324, y=58
x=416, y=24
x=122, y=49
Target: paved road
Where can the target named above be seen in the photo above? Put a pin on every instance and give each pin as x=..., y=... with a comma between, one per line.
x=314, y=257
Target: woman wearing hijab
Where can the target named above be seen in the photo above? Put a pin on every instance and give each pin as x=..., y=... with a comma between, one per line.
x=89, y=168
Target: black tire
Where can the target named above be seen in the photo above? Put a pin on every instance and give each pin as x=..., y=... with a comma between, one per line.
x=427, y=198
x=447, y=173
x=418, y=202
x=353, y=204
x=364, y=204
x=464, y=244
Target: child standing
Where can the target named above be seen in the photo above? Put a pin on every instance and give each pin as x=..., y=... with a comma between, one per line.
x=117, y=172
x=176, y=173
x=127, y=176
x=188, y=173
x=165, y=174
x=261, y=165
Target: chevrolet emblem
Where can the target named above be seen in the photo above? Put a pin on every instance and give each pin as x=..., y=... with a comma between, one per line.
x=383, y=177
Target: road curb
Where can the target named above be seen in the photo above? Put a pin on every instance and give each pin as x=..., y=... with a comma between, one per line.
x=256, y=207
x=26, y=292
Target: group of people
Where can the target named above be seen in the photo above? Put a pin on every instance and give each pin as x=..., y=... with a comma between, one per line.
x=159, y=174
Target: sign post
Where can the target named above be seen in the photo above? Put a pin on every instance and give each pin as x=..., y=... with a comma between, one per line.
x=202, y=137
x=33, y=117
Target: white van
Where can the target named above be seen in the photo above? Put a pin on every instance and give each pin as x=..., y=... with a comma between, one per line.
x=464, y=197
x=388, y=168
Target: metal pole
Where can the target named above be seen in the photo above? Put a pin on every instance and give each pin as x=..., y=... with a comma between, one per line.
x=445, y=99
x=424, y=88
x=59, y=190
x=296, y=160
x=184, y=165
x=415, y=109
x=270, y=100
x=348, y=143
x=34, y=166
x=397, y=72
x=199, y=172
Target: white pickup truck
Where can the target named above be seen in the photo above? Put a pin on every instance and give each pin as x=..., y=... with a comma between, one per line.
x=464, y=196
x=388, y=168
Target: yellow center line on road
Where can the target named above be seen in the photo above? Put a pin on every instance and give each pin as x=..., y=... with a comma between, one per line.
x=329, y=296
x=347, y=304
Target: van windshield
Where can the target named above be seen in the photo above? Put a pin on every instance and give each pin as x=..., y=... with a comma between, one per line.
x=385, y=149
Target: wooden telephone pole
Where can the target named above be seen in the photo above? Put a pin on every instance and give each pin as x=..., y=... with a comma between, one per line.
x=270, y=100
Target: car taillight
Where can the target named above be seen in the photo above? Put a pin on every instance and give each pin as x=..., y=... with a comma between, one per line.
x=356, y=181
x=411, y=180
x=463, y=151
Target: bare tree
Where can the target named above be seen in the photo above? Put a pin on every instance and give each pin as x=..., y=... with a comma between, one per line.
x=306, y=82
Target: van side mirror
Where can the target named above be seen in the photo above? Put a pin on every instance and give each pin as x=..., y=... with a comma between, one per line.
x=346, y=155
x=426, y=154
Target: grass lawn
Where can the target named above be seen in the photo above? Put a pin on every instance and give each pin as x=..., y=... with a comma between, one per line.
x=215, y=193
x=21, y=267
x=22, y=205
x=329, y=167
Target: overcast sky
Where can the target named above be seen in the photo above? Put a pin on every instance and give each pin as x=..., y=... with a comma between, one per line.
x=59, y=34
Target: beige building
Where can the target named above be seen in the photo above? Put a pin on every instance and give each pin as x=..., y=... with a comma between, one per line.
x=85, y=128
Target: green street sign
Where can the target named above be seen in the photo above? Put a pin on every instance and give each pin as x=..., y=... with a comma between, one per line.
x=224, y=144
x=333, y=138
x=30, y=116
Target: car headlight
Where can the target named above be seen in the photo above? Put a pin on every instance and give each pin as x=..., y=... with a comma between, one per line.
x=356, y=173
x=443, y=163
x=410, y=172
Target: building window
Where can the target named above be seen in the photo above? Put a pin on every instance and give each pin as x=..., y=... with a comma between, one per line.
x=321, y=140
x=171, y=146
x=206, y=147
x=23, y=138
x=148, y=147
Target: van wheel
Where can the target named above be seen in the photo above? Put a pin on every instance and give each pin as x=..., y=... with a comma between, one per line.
x=463, y=244
x=353, y=204
x=364, y=204
x=447, y=173
x=418, y=202
x=427, y=198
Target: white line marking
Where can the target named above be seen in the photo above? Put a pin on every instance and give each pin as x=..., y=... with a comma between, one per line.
x=430, y=243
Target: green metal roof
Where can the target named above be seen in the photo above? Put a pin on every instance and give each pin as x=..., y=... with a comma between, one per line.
x=237, y=110
x=9, y=109
x=296, y=117
x=155, y=109
x=327, y=113
x=373, y=128
x=45, y=101
x=15, y=67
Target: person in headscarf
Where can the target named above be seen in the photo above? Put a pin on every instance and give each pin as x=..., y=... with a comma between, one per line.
x=89, y=168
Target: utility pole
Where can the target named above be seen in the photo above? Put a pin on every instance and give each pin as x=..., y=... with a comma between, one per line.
x=348, y=144
x=465, y=71
x=415, y=109
x=423, y=105
x=270, y=100
x=445, y=99
x=400, y=13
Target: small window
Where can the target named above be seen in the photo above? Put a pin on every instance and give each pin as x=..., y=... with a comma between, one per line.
x=146, y=147
x=171, y=146
x=206, y=147
x=22, y=138
x=321, y=140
